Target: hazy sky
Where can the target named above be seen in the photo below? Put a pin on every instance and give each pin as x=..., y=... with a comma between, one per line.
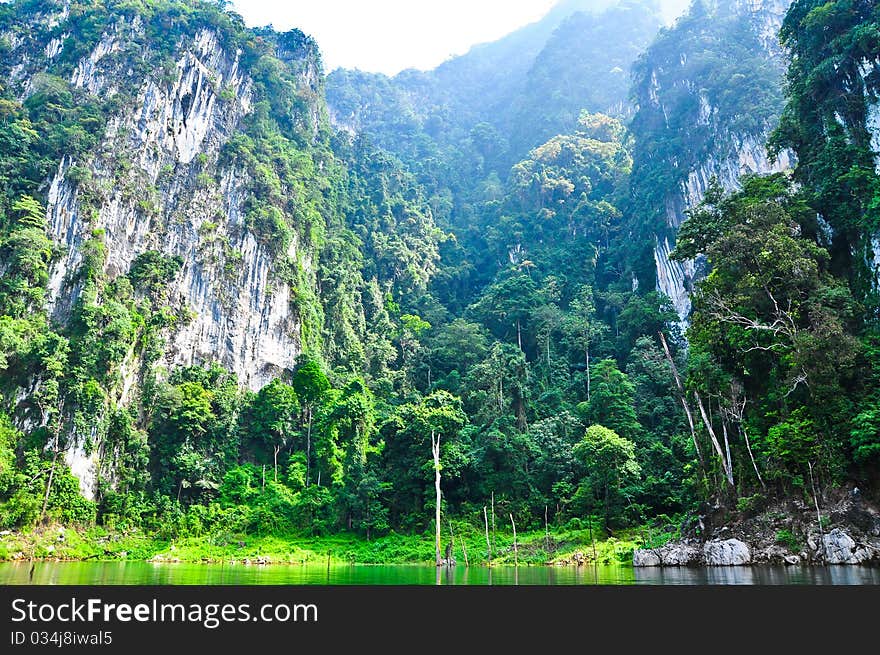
x=390, y=35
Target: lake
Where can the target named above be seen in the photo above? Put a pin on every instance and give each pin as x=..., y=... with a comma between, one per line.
x=147, y=573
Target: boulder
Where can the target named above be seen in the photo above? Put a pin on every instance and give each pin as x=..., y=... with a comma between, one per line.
x=672, y=554
x=730, y=552
x=839, y=547
x=864, y=554
x=678, y=554
x=646, y=557
x=792, y=559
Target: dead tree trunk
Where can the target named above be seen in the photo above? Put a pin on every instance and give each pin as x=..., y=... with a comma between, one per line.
x=494, y=541
x=463, y=545
x=592, y=540
x=726, y=439
x=683, y=397
x=488, y=545
x=546, y=532
x=818, y=515
x=51, y=476
x=708, y=423
x=745, y=433
x=309, y=447
x=588, y=372
x=276, y=450
x=56, y=427
x=738, y=412
x=515, y=549
x=435, y=449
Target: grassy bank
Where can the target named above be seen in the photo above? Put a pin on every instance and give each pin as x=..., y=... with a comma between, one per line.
x=561, y=546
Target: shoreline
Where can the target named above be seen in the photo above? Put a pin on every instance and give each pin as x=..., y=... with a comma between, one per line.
x=537, y=548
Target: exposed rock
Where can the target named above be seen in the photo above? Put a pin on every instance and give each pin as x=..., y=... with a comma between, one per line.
x=792, y=559
x=731, y=552
x=672, y=554
x=839, y=547
x=863, y=554
x=731, y=153
x=646, y=557
x=772, y=554
x=159, y=180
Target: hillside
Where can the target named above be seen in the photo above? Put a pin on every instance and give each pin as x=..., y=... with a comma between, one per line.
x=597, y=275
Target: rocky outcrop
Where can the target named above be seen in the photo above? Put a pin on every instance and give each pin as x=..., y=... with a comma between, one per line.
x=646, y=557
x=731, y=552
x=172, y=133
x=239, y=317
x=672, y=554
x=869, y=70
x=160, y=179
x=726, y=153
x=840, y=548
x=784, y=533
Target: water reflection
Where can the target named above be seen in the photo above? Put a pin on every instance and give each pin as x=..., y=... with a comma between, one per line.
x=759, y=575
x=135, y=573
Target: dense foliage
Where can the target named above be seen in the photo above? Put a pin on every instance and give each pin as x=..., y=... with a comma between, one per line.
x=469, y=311
x=833, y=80
x=705, y=85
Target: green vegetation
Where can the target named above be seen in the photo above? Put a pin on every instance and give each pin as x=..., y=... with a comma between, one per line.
x=825, y=122
x=471, y=305
x=702, y=87
x=563, y=545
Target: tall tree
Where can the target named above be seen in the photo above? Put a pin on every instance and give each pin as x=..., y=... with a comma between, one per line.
x=310, y=384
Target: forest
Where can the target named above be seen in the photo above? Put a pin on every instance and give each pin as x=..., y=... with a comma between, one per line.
x=477, y=318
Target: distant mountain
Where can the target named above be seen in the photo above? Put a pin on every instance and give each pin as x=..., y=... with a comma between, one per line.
x=577, y=57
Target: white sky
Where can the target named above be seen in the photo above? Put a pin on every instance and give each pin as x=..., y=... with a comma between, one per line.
x=389, y=35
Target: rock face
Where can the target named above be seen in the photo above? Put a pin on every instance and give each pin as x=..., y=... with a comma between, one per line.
x=869, y=70
x=672, y=554
x=840, y=548
x=241, y=317
x=646, y=557
x=715, y=146
x=161, y=180
x=785, y=533
x=731, y=552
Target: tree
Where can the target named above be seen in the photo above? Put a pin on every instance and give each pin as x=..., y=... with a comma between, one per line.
x=272, y=414
x=772, y=321
x=354, y=418
x=310, y=385
x=456, y=346
x=26, y=252
x=612, y=401
x=582, y=328
x=508, y=303
x=440, y=413
x=610, y=462
x=416, y=427
x=499, y=384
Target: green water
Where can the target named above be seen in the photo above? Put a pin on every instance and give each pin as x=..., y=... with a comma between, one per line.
x=146, y=573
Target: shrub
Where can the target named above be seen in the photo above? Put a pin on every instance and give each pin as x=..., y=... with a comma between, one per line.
x=789, y=540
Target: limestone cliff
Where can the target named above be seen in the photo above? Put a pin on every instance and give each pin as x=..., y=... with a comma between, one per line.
x=161, y=186
x=713, y=121
x=164, y=178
